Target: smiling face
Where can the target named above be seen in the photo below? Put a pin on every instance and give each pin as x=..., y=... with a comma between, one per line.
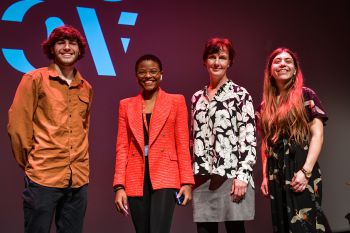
x=282, y=68
x=66, y=52
x=148, y=75
x=218, y=63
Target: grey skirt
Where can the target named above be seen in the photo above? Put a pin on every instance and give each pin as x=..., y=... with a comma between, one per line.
x=217, y=205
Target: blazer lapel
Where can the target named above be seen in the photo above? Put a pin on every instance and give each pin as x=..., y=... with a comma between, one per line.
x=135, y=120
x=159, y=116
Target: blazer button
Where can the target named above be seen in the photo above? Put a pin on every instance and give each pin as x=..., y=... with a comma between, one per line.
x=133, y=153
x=163, y=134
x=161, y=150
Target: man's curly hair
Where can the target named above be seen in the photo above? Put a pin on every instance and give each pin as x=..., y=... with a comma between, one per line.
x=60, y=33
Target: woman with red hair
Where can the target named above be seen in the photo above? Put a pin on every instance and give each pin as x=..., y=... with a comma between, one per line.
x=291, y=120
x=223, y=146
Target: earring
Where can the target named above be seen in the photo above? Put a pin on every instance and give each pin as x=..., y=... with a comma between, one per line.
x=161, y=77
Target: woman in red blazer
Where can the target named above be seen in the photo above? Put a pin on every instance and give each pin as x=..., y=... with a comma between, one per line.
x=152, y=157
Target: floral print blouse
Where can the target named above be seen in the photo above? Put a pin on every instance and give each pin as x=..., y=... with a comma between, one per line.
x=223, y=133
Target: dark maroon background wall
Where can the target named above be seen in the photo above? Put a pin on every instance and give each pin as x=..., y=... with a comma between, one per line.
x=176, y=31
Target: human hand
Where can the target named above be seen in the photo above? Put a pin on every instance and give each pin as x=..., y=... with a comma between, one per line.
x=185, y=190
x=299, y=182
x=121, y=202
x=265, y=186
x=238, y=190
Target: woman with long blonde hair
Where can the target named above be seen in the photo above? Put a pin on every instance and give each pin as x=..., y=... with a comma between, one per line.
x=291, y=120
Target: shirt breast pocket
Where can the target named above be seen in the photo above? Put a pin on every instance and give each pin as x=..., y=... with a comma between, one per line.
x=83, y=105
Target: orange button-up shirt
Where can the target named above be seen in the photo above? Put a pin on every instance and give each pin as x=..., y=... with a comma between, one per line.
x=48, y=126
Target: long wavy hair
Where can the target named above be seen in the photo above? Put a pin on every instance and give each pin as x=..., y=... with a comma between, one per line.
x=286, y=115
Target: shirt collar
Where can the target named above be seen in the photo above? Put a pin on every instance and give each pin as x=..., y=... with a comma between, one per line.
x=222, y=90
x=77, y=79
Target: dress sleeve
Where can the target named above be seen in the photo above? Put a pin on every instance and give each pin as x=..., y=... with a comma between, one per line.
x=313, y=106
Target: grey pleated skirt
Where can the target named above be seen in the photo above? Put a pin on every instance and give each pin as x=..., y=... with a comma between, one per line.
x=217, y=205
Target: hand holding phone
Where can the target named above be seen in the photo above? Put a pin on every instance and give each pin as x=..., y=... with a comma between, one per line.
x=180, y=199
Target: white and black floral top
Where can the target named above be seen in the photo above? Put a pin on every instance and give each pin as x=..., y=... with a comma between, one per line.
x=223, y=133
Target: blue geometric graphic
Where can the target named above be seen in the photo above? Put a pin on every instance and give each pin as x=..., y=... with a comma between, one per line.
x=96, y=41
x=125, y=42
x=17, y=59
x=17, y=10
x=127, y=18
x=52, y=23
x=91, y=26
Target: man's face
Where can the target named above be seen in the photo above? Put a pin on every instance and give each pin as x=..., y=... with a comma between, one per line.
x=66, y=52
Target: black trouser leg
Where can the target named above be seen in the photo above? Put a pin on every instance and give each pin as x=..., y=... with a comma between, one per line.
x=139, y=210
x=207, y=227
x=39, y=203
x=162, y=209
x=212, y=227
x=153, y=212
x=235, y=227
x=70, y=211
x=140, y=206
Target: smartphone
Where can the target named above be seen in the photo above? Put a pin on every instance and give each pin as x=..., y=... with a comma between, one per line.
x=180, y=199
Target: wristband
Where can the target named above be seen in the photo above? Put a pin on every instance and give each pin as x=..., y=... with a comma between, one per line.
x=306, y=173
x=119, y=187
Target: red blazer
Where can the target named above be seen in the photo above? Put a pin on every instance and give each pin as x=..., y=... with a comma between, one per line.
x=168, y=153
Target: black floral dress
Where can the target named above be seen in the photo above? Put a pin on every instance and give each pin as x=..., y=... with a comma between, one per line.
x=296, y=212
